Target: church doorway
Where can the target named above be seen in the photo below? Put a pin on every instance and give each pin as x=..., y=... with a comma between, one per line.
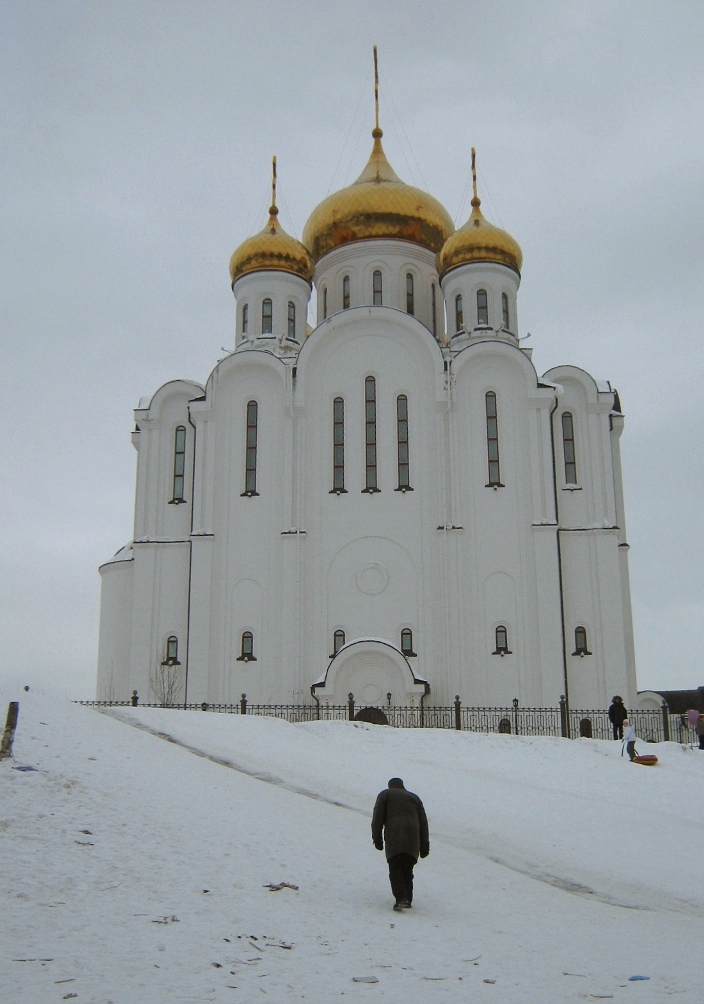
x=375, y=716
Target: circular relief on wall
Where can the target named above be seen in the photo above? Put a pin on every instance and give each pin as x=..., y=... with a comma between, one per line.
x=372, y=579
x=371, y=694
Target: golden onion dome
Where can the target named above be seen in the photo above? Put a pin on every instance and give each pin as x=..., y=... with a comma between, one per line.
x=272, y=249
x=479, y=241
x=378, y=205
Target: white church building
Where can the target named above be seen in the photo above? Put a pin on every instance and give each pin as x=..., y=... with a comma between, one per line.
x=394, y=504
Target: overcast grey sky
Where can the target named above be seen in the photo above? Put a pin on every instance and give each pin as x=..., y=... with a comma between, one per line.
x=136, y=147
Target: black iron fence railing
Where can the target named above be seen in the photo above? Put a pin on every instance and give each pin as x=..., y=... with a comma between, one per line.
x=656, y=725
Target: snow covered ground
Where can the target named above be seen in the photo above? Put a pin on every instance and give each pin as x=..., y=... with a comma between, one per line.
x=135, y=870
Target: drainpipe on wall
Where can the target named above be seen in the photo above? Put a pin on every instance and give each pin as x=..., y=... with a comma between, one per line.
x=559, y=567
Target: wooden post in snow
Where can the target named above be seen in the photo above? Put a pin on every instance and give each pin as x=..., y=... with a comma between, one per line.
x=9, y=733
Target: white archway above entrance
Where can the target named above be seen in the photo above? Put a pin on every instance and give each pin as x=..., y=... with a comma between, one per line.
x=370, y=669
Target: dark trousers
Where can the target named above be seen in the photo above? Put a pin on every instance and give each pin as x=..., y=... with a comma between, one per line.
x=631, y=749
x=401, y=877
x=618, y=730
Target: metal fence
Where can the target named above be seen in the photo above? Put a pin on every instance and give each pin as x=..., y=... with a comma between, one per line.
x=653, y=726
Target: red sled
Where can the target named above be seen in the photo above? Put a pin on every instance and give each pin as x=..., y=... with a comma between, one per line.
x=648, y=760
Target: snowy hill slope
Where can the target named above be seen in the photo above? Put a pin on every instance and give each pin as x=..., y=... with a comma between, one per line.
x=135, y=870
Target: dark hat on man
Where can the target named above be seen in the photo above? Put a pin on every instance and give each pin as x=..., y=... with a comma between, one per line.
x=395, y=782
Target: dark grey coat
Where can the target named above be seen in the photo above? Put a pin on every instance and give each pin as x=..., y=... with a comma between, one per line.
x=402, y=817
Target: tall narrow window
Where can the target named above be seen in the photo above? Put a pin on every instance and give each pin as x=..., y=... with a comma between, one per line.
x=179, y=463
x=410, y=305
x=482, y=308
x=377, y=289
x=338, y=640
x=346, y=293
x=568, y=448
x=501, y=636
x=291, y=319
x=250, y=479
x=407, y=642
x=433, y=309
x=267, y=317
x=325, y=302
x=492, y=440
x=505, y=316
x=370, y=434
x=580, y=642
x=404, y=483
x=172, y=651
x=245, y=318
x=247, y=648
x=338, y=445
x=459, y=320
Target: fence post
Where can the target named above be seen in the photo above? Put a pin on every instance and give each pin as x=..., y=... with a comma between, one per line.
x=350, y=705
x=13, y=710
x=665, y=721
x=243, y=705
x=564, y=723
x=515, y=716
x=458, y=714
x=135, y=699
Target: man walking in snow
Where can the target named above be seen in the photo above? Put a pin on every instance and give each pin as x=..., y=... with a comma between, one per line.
x=399, y=823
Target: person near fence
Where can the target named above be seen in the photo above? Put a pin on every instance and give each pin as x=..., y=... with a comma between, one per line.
x=629, y=737
x=699, y=729
x=617, y=716
x=400, y=826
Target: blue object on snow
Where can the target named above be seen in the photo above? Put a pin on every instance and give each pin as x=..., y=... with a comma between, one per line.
x=638, y=978
x=24, y=768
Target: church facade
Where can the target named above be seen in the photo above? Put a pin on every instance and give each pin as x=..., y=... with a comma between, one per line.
x=393, y=505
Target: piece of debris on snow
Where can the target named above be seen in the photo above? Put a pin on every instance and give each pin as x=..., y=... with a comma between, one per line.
x=275, y=886
x=173, y=919
x=364, y=979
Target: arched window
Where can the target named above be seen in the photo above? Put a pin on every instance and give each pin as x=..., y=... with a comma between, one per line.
x=506, y=318
x=501, y=641
x=370, y=434
x=346, y=292
x=482, y=308
x=267, y=317
x=247, y=648
x=568, y=448
x=377, y=289
x=338, y=446
x=492, y=440
x=404, y=482
x=245, y=318
x=325, y=302
x=291, y=319
x=179, y=463
x=338, y=640
x=407, y=642
x=172, y=651
x=250, y=478
x=459, y=321
x=410, y=306
x=433, y=309
x=580, y=642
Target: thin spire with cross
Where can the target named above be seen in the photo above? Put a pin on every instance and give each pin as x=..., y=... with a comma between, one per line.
x=476, y=201
x=377, y=131
x=273, y=210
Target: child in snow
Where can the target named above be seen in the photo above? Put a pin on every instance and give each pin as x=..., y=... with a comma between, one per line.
x=629, y=737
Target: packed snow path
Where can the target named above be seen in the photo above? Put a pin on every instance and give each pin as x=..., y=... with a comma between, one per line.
x=136, y=871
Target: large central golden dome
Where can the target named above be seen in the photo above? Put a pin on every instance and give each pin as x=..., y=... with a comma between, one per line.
x=378, y=205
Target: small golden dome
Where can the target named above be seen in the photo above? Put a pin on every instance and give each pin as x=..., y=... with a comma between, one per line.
x=378, y=205
x=478, y=240
x=271, y=250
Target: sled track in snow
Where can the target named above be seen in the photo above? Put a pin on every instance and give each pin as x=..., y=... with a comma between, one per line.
x=528, y=870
